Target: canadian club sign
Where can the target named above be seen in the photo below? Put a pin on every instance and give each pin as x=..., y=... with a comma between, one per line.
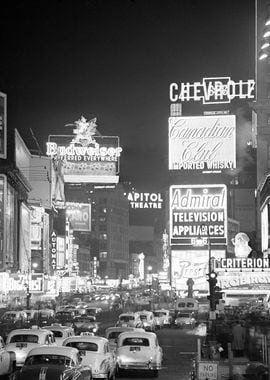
x=198, y=211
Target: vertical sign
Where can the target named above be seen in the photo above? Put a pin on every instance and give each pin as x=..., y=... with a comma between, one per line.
x=3, y=125
x=2, y=218
x=53, y=249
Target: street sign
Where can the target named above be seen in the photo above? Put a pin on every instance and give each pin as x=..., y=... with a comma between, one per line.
x=207, y=371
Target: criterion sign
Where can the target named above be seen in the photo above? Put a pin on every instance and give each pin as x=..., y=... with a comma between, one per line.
x=207, y=371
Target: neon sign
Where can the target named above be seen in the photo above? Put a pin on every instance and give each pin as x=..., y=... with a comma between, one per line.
x=247, y=264
x=86, y=156
x=215, y=90
x=198, y=211
x=145, y=200
x=205, y=143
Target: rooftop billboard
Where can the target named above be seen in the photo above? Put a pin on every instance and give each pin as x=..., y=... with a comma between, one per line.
x=86, y=157
x=205, y=143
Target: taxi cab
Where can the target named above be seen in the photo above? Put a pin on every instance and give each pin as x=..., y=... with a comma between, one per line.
x=162, y=318
x=21, y=341
x=139, y=351
x=112, y=334
x=95, y=351
x=148, y=320
x=60, y=332
x=129, y=320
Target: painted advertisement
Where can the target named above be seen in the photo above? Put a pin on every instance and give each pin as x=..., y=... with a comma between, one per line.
x=205, y=143
x=79, y=215
x=192, y=264
x=3, y=125
x=198, y=211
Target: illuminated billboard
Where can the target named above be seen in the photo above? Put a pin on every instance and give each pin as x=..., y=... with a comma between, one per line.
x=212, y=90
x=85, y=157
x=192, y=264
x=145, y=200
x=79, y=215
x=205, y=143
x=198, y=211
x=3, y=125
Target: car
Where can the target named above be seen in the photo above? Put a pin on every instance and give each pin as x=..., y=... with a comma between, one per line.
x=21, y=341
x=137, y=351
x=14, y=317
x=148, y=320
x=183, y=320
x=54, y=363
x=60, y=332
x=64, y=317
x=112, y=333
x=7, y=359
x=84, y=323
x=162, y=317
x=94, y=311
x=95, y=351
x=129, y=320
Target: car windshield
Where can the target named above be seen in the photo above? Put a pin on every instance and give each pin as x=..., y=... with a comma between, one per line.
x=114, y=334
x=143, y=317
x=83, y=319
x=57, y=333
x=8, y=316
x=24, y=338
x=135, y=342
x=159, y=313
x=83, y=346
x=126, y=318
x=183, y=315
x=48, y=359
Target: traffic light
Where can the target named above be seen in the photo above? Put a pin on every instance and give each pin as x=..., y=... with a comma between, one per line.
x=212, y=279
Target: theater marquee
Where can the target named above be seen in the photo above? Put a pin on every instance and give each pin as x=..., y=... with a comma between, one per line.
x=198, y=211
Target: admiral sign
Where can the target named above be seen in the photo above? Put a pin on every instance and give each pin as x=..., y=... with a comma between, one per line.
x=213, y=90
x=205, y=143
x=198, y=211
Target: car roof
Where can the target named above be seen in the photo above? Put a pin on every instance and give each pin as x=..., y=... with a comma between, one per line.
x=54, y=350
x=57, y=327
x=86, y=338
x=119, y=328
x=36, y=331
x=137, y=334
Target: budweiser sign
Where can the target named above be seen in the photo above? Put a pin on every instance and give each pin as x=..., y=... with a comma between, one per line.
x=205, y=143
x=215, y=90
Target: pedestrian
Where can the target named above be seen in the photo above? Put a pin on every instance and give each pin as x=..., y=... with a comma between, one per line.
x=239, y=339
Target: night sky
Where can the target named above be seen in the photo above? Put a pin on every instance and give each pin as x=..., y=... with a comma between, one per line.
x=114, y=60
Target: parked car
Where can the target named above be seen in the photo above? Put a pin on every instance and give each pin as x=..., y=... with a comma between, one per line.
x=148, y=320
x=162, y=318
x=54, y=363
x=84, y=323
x=137, y=351
x=94, y=311
x=21, y=341
x=60, y=332
x=129, y=320
x=96, y=352
x=185, y=320
x=7, y=359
